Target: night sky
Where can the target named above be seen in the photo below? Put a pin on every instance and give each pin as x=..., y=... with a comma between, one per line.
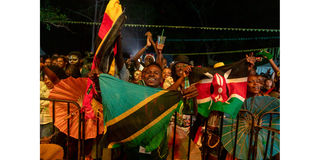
x=210, y=13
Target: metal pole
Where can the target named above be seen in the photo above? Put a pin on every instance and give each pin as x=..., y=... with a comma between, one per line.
x=220, y=135
x=174, y=134
x=97, y=135
x=251, y=136
x=272, y=140
x=83, y=134
x=94, y=27
x=189, y=138
x=205, y=148
x=53, y=115
x=79, y=137
x=268, y=137
x=255, y=143
x=236, y=136
x=68, y=130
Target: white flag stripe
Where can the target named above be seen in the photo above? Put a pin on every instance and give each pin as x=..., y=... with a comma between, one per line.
x=226, y=75
x=221, y=80
x=236, y=96
x=206, y=81
x=236, y=80
x=217, y=79
x=204, y=100
x=209, y=75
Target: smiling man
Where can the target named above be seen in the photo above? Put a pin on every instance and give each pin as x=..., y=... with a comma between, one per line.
x=152, y=75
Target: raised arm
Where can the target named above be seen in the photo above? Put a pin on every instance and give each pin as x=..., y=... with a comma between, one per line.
x=177, y=83
x=268, y=56
x=140, y=52
x=159, y=59
x=51, y=75
x=156, y=49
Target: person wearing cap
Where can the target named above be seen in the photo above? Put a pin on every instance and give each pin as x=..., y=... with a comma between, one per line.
x=148, y=59
x=179, y=69
x=217, y=65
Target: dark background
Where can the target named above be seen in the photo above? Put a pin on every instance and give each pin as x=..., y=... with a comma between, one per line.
x=208, y=13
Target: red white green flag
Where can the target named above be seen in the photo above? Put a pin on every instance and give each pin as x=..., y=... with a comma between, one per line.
x=224, y=89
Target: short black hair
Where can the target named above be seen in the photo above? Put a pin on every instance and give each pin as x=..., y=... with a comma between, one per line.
x=63, y=57
x=154, y=64
x=54, y=58
x=58, y=71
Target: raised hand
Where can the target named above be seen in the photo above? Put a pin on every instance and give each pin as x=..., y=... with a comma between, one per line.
x=187, y=70
x=148, y=34
x=148, y=42
x=190, y=92
x=251, y=59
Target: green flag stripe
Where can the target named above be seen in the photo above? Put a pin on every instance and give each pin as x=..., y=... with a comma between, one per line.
x=142, y=117
x=203, y=109
x=231, y=107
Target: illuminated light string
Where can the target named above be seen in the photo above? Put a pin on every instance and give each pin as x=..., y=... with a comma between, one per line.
x=221, y=52
x=174, y=27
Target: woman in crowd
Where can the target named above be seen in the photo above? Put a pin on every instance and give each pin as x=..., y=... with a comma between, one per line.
x=167, y=79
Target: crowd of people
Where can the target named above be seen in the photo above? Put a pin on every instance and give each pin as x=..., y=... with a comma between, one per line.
x=153, y=71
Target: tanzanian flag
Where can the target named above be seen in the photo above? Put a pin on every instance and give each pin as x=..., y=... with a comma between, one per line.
x=135, y=114
x=222, y=89
x=106, y=44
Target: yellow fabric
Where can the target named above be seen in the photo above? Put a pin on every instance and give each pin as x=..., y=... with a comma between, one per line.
x=112, y=70
x=51, y=152
x=113, y=9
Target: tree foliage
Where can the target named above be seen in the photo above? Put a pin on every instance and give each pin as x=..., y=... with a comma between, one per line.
x=52, y=17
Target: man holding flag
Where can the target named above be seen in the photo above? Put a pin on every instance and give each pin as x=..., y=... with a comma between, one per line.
x=136, y=117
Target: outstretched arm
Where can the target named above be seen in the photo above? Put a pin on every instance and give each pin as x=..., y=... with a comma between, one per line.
x=51, y=75
x=155, y=47
x=176, y=84
x=160, y=56
x=268, y=56
x=152, y=43
x=140, y=52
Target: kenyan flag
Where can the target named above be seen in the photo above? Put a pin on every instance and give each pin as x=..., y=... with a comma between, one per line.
x=223, y=89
